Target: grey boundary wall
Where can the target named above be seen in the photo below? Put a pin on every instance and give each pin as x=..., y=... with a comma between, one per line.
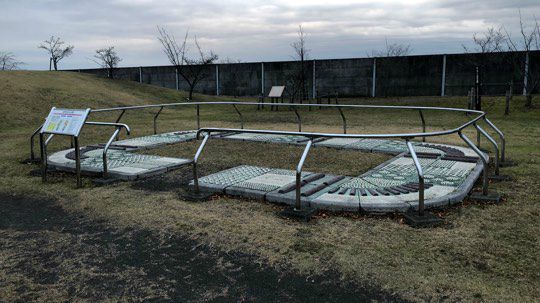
x=426, y=75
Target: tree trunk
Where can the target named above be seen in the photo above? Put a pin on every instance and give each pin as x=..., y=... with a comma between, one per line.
x=191, y=88
x=55, y=63
x=529, y=98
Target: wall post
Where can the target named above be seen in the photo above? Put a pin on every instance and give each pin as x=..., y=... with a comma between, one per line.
x=217, y=80
x=374, y=77
x=443, y=81
x=314, y=84
x=262, y=78
x=140, y=75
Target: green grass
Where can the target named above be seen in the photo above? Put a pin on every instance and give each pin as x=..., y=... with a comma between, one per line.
x=485, y=253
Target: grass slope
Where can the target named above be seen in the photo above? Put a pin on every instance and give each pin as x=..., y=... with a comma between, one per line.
x=485, y=252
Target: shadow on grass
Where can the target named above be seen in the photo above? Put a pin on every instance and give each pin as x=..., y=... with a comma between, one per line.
x=52, y=254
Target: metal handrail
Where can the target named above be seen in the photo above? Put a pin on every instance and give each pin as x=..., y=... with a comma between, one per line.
x=495, y=146
x=501, y=136
x=208, y=131
x=313, y=135
x=119, y=127
x=420, y=172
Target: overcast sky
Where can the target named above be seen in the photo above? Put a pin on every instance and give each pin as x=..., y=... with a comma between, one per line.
x=249, y=30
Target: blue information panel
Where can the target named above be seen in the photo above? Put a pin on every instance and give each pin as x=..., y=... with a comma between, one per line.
x=64, y=121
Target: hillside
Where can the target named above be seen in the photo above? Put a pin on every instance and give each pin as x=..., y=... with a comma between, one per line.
x=27, y=96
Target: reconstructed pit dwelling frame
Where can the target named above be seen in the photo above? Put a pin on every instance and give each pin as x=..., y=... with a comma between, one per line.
x=422, y=175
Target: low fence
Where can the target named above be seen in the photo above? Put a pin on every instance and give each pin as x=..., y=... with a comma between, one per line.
x=427, y=75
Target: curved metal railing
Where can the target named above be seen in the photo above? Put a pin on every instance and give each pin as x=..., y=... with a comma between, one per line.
x=477, y=116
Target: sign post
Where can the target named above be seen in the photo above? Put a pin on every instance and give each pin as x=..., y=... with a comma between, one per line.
x=64, y=122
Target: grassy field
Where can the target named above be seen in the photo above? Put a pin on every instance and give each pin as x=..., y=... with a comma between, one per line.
x=484, y=252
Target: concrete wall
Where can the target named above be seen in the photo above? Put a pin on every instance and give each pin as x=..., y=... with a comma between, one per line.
x=427, y=75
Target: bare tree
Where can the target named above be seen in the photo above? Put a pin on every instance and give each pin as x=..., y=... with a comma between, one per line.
x=528, y=41
x=55, y=47
x=107, y=58
x=192, y=69
x=491, y=41
x=392, y=50
x=297, y=80
x=480, y=57
x=8, y=61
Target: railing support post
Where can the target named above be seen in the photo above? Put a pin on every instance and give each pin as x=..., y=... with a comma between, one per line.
x=298, y=119
x=298, y=203
x=195, y=161
x=423, y=124
x=485, y=181
x=32, y=155
x=43, y=155
x=105, y=149
x=155, y=119
x=241, y=117
x=118, y=121
x=77, y=161
x=501, y=136
x=420, y=178
x=494, y=143
x=343, y=119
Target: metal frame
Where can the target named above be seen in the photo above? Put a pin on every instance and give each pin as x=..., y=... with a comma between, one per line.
x=480, y=115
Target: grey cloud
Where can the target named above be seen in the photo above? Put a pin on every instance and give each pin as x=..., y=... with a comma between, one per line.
x=249, y=30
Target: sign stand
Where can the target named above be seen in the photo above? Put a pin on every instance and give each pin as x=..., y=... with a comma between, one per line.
x=64, y=122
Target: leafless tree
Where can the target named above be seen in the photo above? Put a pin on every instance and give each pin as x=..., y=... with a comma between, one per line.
x=392, y=50
x=297, y=80
x=528, y=41
x=55, y=47
x=8, y=61
x=491, y=41
x=108, y=59
x=192, y=69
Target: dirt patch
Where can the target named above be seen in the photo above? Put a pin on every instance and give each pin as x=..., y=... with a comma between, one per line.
x=50, y=254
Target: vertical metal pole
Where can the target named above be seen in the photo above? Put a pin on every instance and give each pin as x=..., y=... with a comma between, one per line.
x=298, y=204
x=314, y=84
x=43, y=155
x=155, y=119
x=482, y=158
x=262, y=79
x=373, y=78
x=501, y=136
x=217, y=80
x=240, y=115
x=343, y=119
x=140, y=75
x=118, y=121
x=195, y=160
x=423, y=124
x=495, y=146
x=443, y=81
x=420, y=178
x=298, y=119
x=77, y=161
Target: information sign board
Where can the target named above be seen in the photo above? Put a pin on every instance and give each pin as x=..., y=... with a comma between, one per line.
x=64, y=121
